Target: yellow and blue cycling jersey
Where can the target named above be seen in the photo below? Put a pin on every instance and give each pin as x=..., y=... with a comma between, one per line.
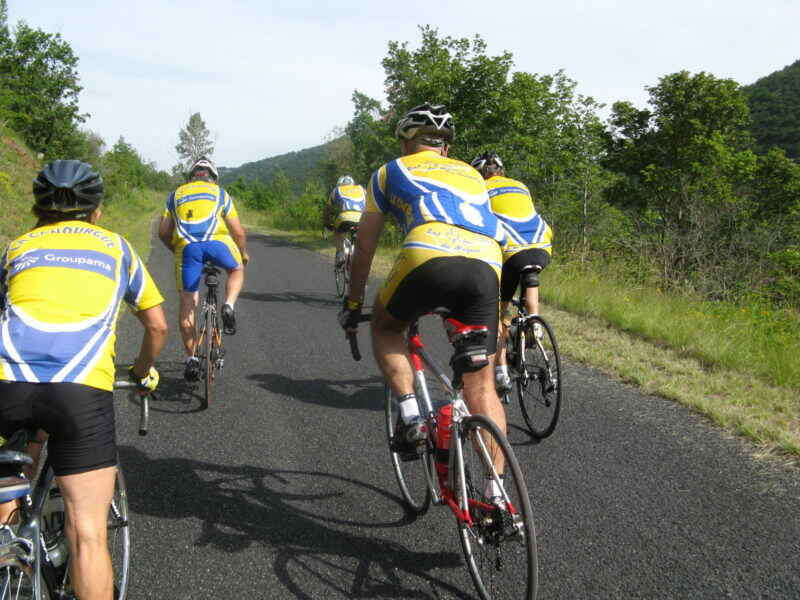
x=198, y=209
x=511, y=201
x=348, y=198
x=425, y=187
x=64, y=284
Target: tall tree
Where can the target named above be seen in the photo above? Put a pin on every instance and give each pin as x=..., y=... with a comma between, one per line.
x=194, y=141
x=682, y=162
x=39, y=95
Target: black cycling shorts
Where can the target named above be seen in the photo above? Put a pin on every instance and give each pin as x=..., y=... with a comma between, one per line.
x=78, y=418
x=346, y=226
x=512, y=269
x=467, y=287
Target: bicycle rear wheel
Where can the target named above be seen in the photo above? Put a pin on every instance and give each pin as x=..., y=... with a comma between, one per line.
x=412, y=476
x=499, y=540
x=208, y=360
x=17, y=584
x=539, y=383
x=339, y=276
x=119, y=537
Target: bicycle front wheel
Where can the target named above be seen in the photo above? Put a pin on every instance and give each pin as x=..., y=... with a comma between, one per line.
x=497, y=533
x=539, y=382
x=413, y=475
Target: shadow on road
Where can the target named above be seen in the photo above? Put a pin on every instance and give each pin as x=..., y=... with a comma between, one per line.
x=359, y=394
x=316, y=299
x=173, y=395
x=294, y=513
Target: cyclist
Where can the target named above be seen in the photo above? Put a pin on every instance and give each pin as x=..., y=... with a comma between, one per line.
x=200, y=223
x=345, y=203
x=529, y=243
x=63, y=283
x=450, y=258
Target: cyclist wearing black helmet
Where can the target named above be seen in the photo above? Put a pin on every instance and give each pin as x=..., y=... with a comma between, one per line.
x=529, y=243
x=450, y=258
x=199, y=224
x=63, y=283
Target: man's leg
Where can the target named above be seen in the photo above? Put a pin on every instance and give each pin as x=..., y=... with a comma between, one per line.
x=87, y=498
x=186, y=319
x=338, y=243
x=389, y=346
x=234, y=285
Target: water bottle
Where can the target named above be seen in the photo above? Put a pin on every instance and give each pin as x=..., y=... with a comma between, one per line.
x=443, y=434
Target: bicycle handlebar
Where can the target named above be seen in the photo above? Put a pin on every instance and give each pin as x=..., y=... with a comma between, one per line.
x=144, y=408
x=352, y=337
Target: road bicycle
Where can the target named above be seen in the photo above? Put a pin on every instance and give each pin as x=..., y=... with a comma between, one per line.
x=341, y=272
x=534, y=367
x=34, y=555
x=454, y=467
x=209, y=350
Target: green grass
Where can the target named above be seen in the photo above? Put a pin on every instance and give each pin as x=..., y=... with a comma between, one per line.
x=758, y=340
x=737, y=366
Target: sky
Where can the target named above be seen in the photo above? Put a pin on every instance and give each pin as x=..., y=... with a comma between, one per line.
x=269, y=77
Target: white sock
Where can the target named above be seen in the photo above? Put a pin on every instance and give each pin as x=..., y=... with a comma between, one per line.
x=493, y=489
x=409, y=408
x=230, y=304
x=501, y=370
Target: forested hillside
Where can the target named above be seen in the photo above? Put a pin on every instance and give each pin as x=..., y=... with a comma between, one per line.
x=40, y=119
x=297, y=166
x=775, y=110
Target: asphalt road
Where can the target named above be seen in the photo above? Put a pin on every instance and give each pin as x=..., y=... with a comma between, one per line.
x=283, y=488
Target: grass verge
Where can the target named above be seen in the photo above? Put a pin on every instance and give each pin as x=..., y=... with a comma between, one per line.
x=675, y=358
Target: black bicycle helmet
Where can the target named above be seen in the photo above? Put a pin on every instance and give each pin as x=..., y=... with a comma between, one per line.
x=68, y=186
x=485, y=161
x=426, y=119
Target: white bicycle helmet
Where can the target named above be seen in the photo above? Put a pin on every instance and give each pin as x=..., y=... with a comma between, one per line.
x=204, y=163
x=345, y=180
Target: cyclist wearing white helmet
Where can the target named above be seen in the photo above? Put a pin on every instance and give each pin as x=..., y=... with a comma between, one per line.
x=343, y=211
x=199, y=224
x=450, y=258
x=529, y=243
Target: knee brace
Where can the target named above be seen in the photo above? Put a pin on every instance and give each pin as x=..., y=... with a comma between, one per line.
x=530, y=278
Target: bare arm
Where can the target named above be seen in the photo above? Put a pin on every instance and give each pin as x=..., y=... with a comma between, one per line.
x=155, y=335
x=369, y=231
x=239, y=236
x=165, y=230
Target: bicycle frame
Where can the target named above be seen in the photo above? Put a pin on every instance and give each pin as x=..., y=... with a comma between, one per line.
x=21, y=551
x=442, y=491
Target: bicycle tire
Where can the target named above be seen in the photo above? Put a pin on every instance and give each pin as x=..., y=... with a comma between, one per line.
x=119, y=537
x=338, y=274
x=500, y=545
x=412, y=478
x=539, y=388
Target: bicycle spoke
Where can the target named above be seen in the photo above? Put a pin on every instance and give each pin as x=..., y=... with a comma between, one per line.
x=499, y=540
x=539, y=384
